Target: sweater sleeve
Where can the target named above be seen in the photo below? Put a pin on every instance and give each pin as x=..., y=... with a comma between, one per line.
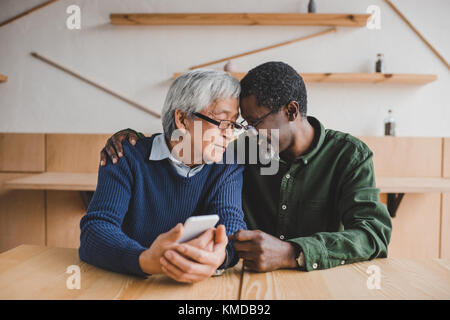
x=102, y=241
x=227, y=204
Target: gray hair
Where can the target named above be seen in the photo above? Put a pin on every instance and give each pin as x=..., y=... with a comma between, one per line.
x=194, y=91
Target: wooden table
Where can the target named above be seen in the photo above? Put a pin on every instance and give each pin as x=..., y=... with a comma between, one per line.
x=36, y=272
x=400, y=279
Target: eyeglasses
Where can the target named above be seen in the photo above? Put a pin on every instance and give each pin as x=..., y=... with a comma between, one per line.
x=222, y=124
x=251, y=129
x=258, y=121
x=228, y=124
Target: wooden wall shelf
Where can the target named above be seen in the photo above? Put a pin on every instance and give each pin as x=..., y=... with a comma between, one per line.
x=69, y=181
x=3, y=78
x=401, y=78
x=263, y=19
x=88, y=182
x=412, y=184
x=396, y=187
x=356, y=77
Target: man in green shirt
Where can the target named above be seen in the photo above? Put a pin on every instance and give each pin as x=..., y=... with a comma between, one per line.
x=321, y=209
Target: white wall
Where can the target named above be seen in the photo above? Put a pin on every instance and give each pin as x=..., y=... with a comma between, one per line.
x=138, y=62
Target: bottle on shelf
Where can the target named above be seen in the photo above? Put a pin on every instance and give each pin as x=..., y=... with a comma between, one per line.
x=312, y=6
x=379, y=65
x=389, y=124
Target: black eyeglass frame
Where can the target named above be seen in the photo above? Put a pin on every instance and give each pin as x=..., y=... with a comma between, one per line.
x=258, y=122
x=218, y=122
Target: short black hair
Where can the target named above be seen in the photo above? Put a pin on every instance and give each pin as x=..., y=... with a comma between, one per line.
x=274, y=84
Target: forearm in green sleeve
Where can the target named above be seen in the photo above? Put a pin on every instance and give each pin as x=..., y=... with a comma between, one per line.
x=325, y=250
x=366, y=223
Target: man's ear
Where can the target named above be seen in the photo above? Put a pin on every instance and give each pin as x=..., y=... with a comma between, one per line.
x=292, y=110
x=180, y=120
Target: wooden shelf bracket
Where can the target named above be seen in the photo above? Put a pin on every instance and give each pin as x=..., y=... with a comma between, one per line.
x=86, y=196
x=393, y=202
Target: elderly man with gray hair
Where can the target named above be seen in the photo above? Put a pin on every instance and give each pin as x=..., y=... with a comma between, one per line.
x=136, y=214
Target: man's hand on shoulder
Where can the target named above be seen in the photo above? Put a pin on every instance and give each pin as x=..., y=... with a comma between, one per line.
x=113, y=147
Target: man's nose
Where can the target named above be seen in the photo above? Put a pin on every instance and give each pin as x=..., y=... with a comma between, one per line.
x=228, y=135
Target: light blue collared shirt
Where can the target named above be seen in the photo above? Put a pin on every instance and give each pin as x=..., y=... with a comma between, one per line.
x=160, y=151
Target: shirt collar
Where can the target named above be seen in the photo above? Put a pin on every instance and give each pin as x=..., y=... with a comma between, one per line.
x=319, y=138
x=160, y=151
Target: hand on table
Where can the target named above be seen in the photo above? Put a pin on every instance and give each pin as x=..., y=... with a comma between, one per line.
x=263, y=252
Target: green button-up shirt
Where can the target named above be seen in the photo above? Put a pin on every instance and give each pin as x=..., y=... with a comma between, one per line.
x=326, y=202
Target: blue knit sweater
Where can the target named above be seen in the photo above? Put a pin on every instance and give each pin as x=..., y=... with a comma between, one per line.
x=137, y=199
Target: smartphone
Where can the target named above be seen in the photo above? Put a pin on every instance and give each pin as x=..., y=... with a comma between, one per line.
x=195, y=226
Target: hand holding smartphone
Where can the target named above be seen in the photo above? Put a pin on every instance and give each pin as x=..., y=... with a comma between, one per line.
x=195, y=226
